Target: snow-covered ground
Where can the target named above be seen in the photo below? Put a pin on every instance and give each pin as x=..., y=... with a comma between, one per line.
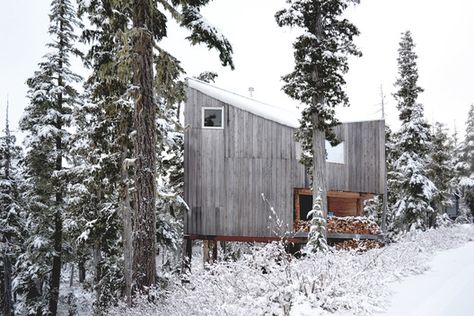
x=419, y=273
x=445, y=289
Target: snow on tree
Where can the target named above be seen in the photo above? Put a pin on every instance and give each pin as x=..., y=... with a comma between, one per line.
x=170, y=158
x=207, y=76
x=440, y=168
x=137, y=27
x=465, y=166
x=414, y=190
x=317, y=230
x=45, y=123
x=12, y=225
x=103, y=167
x=317, y=81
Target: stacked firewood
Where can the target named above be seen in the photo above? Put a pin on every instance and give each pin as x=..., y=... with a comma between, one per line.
x=352, y=225
x=300, y=225
x=359, y=245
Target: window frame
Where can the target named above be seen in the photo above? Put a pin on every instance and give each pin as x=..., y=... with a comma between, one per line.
x=204, y=108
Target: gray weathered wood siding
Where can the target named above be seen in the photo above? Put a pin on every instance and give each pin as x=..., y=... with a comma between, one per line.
x=227, y=170
x=364, y=158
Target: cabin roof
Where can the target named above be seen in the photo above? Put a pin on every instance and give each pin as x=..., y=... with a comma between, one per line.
x=287, y=117
x=267, y=111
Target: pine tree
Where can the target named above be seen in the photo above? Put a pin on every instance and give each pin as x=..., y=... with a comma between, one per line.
x=146, y=25
x=45, y=123
x=440, y=168
x=414, y=191
x=12, y=230
x=466, y=163
x=317, y=80
x=317, y=231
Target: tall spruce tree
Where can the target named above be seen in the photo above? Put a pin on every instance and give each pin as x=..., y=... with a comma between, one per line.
x=440, y=168
x=12, y=223
x=317, y=81
x=414, y=191
x=146, y=26
x=466, y=164
x=45, y=123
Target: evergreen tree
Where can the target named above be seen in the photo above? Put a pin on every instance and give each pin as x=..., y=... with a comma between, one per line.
x=466, y=164
x=317, y=80
x=440, y=168
x=414, y=191
x=103, y=154
x=170, y=157
x=12, y=230
x=317, y=230
x=146, y=25
x=45, y=122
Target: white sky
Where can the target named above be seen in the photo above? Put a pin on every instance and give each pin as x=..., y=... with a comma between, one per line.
x=442, y=30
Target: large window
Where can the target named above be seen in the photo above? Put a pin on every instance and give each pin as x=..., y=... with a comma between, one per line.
x=212, y=117
x=335, y=153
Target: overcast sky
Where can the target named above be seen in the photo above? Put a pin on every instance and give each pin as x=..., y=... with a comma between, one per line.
x=443, y=32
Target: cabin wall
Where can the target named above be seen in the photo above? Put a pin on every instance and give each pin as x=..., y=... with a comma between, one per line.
x=227, y=170
x=364, y=158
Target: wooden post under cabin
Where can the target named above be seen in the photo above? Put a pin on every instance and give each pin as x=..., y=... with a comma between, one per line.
x=188, y=254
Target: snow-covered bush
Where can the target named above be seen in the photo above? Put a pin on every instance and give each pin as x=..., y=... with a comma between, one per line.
x=271, y=282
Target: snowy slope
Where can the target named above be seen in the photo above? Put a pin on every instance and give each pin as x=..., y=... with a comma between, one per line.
x=444, y=290
x=427, y=268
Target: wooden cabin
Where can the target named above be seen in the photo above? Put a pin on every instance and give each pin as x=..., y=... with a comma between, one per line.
x=238, y=149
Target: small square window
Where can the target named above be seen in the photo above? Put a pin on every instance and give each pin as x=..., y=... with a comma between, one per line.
x=212, y=118
x=336, y=153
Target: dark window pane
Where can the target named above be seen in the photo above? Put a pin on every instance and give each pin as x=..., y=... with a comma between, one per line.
x=306, y=204
x=212, y=118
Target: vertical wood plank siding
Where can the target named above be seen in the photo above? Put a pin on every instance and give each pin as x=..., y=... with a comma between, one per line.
x=227, y=170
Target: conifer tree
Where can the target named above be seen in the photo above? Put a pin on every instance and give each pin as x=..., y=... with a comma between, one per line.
x=146, y=26
x=45, y=123
x=317, y=231
x=317, y=80
x=414, y=191
x=440, y=168
x=103, y=153
x=12, y=230
x=466, y=164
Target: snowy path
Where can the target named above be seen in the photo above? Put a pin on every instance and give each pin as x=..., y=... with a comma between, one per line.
x=446, y=289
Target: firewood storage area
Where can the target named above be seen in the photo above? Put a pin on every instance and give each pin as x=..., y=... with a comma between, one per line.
x=346, y=226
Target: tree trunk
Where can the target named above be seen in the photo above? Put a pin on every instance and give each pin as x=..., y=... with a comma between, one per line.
x=81, y=270
x=58, y=222
x=144, y=267
x=319, y=166
x=127, y=229
x=319, y=137
x=7, y=283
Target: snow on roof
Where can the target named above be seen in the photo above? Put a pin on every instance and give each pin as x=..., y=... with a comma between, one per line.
x=267, y=111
